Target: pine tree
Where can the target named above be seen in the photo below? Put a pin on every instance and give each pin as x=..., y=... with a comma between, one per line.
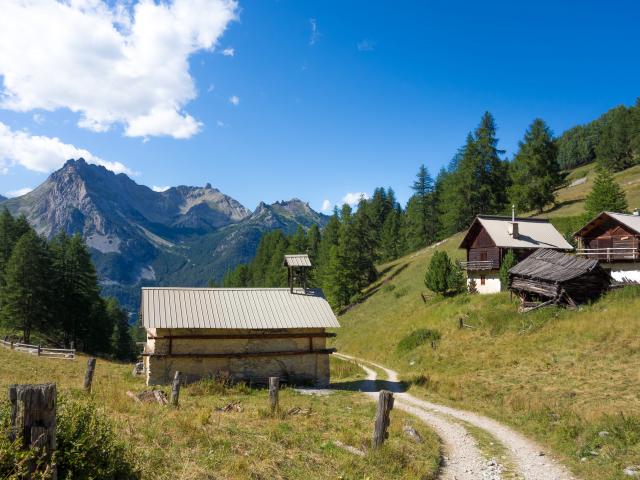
x=7, y=240
x=606, y=195
x=422, y=219
x=122, y=345
x=298, y=242
x=456, y=281
x=509, y=261
x=535, y=174
x=613, y=150
x=391, y=245
x=76, y=289
x=26, y=293
x=437, y=277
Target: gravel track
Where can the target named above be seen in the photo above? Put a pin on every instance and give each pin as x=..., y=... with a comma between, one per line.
x=463, y=459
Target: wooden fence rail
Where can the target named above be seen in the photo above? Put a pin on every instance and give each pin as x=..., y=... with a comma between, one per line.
x=63, y=353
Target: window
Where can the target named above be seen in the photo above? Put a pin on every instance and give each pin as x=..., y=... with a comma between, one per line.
x=482, y=280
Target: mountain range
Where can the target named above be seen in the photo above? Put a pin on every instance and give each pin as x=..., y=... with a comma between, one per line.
x=183, y=236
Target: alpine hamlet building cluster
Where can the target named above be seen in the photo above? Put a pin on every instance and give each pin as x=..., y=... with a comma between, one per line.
x=608, y=252
x=242, y=334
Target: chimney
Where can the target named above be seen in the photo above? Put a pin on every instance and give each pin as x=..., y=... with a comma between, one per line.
x=512, y=226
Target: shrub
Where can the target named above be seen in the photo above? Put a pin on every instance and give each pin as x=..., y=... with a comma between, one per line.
x=87, y=446
x=417, y=338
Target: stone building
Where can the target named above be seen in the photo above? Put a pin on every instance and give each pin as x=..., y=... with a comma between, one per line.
x=248, y=334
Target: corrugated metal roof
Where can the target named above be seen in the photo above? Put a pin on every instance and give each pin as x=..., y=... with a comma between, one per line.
x=301, y=260
x=532, y=233
x=252, y=308
x=554, y=266
x=629, y=220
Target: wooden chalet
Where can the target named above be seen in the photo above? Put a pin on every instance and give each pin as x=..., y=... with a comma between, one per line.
x=614, y=240
x=550, y=277
x=490, y=237
x=246, y=334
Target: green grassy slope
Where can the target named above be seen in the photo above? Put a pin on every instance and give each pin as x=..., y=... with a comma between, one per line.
x=196, y=441
x=560, y=376
x=570, y=199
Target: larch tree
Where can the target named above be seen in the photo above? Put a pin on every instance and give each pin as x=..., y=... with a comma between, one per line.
x=535, y=174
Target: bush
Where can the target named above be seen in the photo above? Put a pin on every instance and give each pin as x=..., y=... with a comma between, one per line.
x=87, y=446
x=417, y=338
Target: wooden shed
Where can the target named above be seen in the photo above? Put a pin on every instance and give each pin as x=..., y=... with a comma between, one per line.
x=550, y=277
x=246, y=334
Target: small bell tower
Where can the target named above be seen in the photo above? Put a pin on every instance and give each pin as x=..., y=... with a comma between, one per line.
x=297, y=266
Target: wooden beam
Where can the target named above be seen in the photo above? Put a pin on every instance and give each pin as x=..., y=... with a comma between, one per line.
x=241, y=354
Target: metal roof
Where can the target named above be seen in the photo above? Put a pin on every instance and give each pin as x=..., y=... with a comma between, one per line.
x=301, y=260
x=250, y=308
x=554, y=266
x=532, y=233
x=629, y=220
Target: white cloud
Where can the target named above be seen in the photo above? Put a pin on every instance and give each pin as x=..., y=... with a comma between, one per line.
x=365, y=45
x=18, y=193
x=234, y=100
x=211, y=88
x=229, y=52
x=160, y=189
x=38, y=118
x=220, y=124
x=43, y=154
x=315, y=34
x=326, y=206
x=352, y=198
x=111, y=62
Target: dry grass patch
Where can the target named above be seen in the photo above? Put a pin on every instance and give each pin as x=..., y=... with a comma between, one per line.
x=203, y=440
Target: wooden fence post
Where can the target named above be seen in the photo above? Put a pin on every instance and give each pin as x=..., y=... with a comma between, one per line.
x=274, y=386
x=33, y=419
x=385, y=404
x=88, y=375
x=175, y=389
x=39, y=349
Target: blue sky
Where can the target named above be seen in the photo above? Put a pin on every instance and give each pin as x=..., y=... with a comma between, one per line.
x=286, y=98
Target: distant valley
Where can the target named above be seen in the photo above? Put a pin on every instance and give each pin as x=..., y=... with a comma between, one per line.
x=182, y=236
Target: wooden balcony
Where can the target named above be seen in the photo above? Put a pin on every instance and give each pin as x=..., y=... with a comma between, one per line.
x=475, y=265
x=612, y=254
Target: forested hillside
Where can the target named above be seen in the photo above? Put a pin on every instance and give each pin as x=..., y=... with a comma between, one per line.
x=478, y=180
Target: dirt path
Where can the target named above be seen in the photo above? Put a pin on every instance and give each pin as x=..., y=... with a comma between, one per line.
x=463, y=459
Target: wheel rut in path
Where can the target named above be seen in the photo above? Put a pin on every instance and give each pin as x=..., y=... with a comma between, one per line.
x=463, y=459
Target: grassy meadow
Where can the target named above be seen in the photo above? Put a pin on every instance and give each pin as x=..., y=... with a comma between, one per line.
x=199, y=441
x=560, y=376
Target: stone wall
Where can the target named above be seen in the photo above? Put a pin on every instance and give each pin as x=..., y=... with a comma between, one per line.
x=309, y=368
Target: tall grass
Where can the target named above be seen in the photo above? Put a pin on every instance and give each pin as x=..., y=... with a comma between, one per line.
x=560, y=376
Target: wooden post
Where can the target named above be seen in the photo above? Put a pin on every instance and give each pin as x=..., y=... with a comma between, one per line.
x=385, y=404
x=175, y=389
x=88, y=376
x=33, y=419
x=39, y=349
x=274, y=386
x=12, y=347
